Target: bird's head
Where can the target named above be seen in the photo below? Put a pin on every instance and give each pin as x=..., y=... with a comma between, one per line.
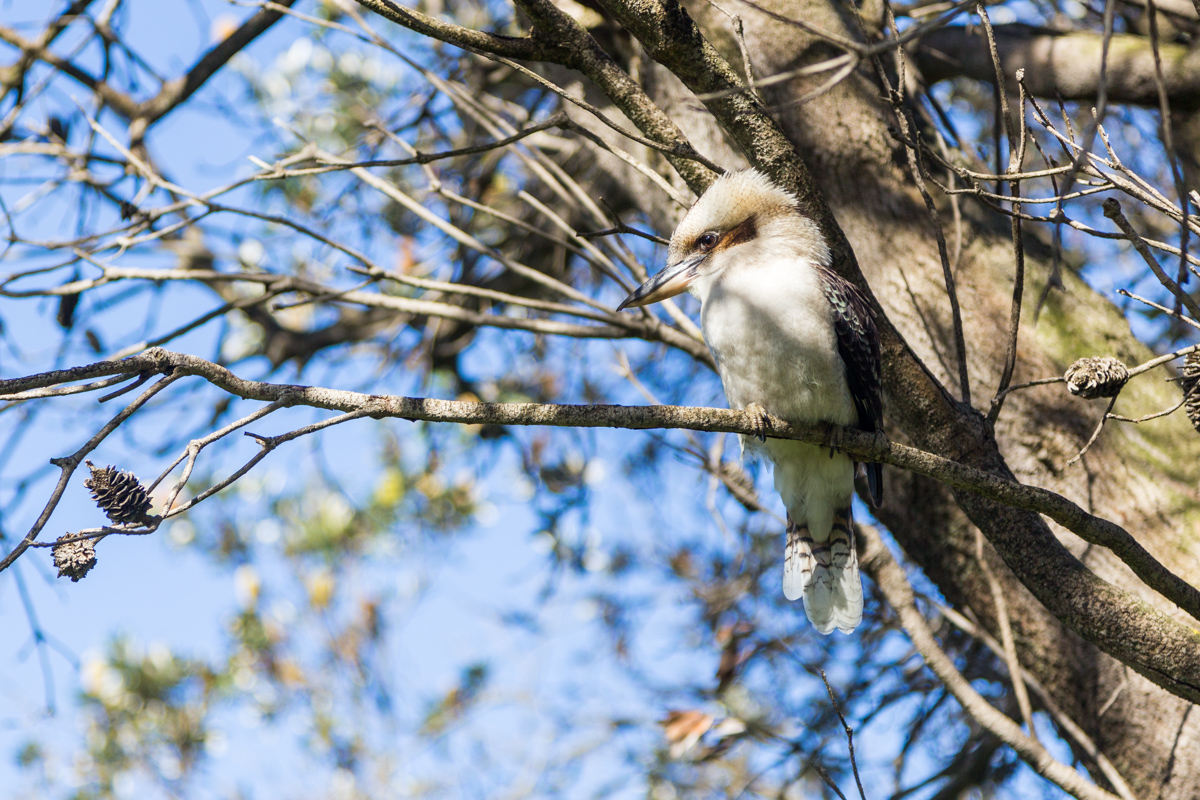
x=743, y=216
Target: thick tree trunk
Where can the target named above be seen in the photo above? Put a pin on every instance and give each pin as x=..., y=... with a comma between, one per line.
x=1143, y=477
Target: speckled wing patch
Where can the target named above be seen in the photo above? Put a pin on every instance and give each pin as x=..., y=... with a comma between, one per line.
x=858, y=345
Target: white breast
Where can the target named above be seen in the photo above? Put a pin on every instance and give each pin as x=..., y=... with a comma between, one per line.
x=770, y=328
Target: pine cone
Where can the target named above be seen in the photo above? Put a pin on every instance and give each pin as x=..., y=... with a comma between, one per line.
x=119, y=494
x=74, y=559
x=1191, y=376
x=1090, y=378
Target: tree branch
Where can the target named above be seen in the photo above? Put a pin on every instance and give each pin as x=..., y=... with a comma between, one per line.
x=143, y=114
x=527, y=48
x=559, y=39
x=893, y=583
x=177, y=91
x=1080, y=737
x=1127, y=628
x=1064, y=64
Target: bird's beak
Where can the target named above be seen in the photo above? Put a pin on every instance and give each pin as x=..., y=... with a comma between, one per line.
x=670, y=281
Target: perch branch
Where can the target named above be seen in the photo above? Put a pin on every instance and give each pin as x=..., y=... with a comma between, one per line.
x=1182, y=676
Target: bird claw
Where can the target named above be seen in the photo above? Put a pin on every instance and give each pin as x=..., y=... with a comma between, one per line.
x=833, y=440
x=760, y=420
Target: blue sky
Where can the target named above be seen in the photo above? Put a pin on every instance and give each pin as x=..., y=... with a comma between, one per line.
x=450, y=594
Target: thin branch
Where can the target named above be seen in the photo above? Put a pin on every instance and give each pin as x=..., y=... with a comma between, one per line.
x=739, y=35
x=1039, y=382
x=192, y=452
x=559, y=120
x=1060, y=717
x=893, y=584
x=1016, y=157
x=1164, y=413
x=1006, y=636
x=654, y=177
x=1176, y=314
x=527, y=48
x=1095, y=433
x=849, y=735
x=623, y=228
x=1164, y=113
x=268, y=443
x=916, y=168
x=62, y=391
x=1112, y=210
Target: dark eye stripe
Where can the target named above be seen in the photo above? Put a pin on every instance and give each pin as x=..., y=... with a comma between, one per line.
x=745, y=232
x=713, y=242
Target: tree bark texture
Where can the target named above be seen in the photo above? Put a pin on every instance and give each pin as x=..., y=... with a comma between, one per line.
x=1144, y=477
x=1066, y=64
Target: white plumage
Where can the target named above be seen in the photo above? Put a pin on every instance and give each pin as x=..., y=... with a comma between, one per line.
x=759, y=269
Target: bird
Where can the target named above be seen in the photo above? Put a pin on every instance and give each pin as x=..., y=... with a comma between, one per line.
x=794, y=340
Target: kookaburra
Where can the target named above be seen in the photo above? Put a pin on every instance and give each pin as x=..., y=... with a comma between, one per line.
x=793, y=339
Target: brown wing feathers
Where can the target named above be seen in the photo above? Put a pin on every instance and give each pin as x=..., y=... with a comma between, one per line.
x=858, y=345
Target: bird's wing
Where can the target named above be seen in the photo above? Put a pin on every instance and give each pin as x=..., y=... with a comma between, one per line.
x=858, y=345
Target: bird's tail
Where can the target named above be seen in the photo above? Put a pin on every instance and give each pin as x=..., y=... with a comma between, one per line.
x=825, y=574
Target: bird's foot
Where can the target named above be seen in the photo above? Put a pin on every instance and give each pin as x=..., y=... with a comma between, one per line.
x=833, y=440
x=760, y=420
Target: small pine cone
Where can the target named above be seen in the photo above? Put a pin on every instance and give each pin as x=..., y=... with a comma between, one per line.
x=74, y=559
x=1191, y=376
x=118, y=493
x=1090, y=378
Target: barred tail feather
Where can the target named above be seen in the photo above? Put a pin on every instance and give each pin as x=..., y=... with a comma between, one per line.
x=798, y=560
x=825, y=574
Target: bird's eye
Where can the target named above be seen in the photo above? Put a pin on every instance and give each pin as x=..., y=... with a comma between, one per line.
x=707, y=241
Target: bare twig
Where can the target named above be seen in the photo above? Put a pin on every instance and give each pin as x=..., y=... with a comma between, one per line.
x=740, y=36
x=63, y=391
x=558, y=120
x=622, y=228
x=824, y=776
x=1006, y=636
x=1061, y=718
x=269, y=443
x=1095, y=433
x=916, y=168
x=893, y=584
x=192, y=452
x=849, y=735
x=1164, y=114
x=1176, y=314
x=1112, y=210
x=1016, y=156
